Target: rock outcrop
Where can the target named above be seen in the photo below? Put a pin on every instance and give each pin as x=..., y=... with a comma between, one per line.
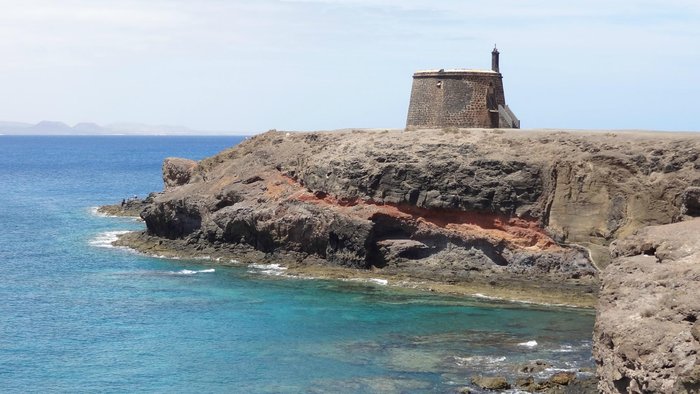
x=529, y=209
x=497, y=207
x=647, y=333
x=177, y=171
x=491, y=382
x=129, y=207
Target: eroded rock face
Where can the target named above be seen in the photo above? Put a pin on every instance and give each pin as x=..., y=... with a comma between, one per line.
x=177, y=171
x=647, y=334
x=454, y=206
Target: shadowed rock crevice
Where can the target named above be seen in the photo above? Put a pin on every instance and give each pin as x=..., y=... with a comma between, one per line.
x=691, y=201
x=390, y=239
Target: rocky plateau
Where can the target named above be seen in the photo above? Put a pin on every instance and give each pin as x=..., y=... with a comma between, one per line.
x=525, y=214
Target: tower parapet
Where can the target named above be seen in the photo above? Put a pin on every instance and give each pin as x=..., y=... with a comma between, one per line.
x=460, y=98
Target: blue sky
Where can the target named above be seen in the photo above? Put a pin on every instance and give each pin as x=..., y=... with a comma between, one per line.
x=249, y=66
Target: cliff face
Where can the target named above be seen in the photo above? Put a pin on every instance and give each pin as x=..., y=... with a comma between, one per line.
x=647, y=334
x=450, y=205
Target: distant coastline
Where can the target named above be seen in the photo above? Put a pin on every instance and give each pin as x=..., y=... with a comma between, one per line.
x=57, y=128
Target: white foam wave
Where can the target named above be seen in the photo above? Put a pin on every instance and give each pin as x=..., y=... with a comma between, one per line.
x=532, y=343
x=565, y=349
x=376, y=281
x=162, y=256
x=267, y=269
x=105, y=239
x=479, y=295
x=191, y=272
x=549, y=371
x=526, y=302
x=94, y=211
x=478, y=360
x=267, y=266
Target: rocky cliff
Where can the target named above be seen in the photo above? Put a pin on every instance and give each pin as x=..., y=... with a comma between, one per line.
x=647, y=333
x=501, y=208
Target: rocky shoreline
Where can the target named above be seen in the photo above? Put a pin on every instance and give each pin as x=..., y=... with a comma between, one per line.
x=514, y=290
x=527, y=377
x=518, y=215
x=129, y=207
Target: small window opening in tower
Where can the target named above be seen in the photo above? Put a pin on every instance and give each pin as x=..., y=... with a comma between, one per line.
x=439, y=85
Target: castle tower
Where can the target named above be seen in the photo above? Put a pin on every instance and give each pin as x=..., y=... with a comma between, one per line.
x=460, y=98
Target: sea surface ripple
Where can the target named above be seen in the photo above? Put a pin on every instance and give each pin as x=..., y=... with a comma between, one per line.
x=81, y=316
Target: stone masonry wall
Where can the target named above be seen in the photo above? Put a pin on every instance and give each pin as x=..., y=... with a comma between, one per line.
x=457, y=99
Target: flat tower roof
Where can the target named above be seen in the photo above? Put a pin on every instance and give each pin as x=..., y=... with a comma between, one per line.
x=452, y=72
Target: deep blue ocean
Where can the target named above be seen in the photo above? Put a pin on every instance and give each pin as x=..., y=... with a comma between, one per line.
x=79, y=316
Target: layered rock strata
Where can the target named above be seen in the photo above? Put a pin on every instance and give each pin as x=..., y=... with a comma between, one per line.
x=503, y=208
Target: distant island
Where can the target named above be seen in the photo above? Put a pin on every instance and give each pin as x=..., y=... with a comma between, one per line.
x=48, y=127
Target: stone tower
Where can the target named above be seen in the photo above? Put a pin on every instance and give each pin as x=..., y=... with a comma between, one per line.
x=460, y=98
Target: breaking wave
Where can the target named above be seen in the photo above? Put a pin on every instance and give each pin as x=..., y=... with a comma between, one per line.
x=532, y=343
x=192, y=272
x=105, y=239
x=268, y=269
x=479, y=360
x=376, y=281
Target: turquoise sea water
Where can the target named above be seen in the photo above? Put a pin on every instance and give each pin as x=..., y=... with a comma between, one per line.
x=79, y=316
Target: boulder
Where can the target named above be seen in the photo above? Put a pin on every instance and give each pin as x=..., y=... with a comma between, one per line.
x=491, y=382
x=177, y=171
x=526, y=383
x=562, y=378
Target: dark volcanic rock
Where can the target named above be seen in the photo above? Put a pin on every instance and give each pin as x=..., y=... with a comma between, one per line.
x=646, y=334
x=429, y=181
x=691, y=201
x=472, y=206
x=131, y=207
x=508, y=209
